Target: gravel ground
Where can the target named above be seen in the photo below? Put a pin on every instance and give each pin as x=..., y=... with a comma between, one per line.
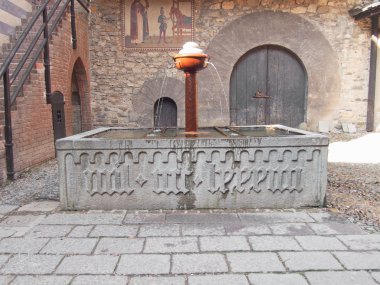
x=353, y=188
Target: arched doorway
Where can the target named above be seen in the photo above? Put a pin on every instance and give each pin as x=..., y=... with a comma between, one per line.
x=268, y=86
x=165, y=113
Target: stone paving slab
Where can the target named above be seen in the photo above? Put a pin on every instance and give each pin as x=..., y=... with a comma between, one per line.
x=5, y=208
x=22, y=245
x=273, y=243
x=81, y=231
x=22, y=221
x=275, y=217
x=280, y=279
x=303, y=261
x=46, y=231
x=241, y=229
x=227, y=279
x=119, y=246
x=320, y=243
x=114, y=231
x=199, y=263
x=6, y=279
x=340, y=278
x=100, y=280
x=42, y=280
x=159, y=230
x=202, y=230
x=135, y=264
x=141, y=218
x=31, y=264
x=39, y=206
x=359, y=260
x=362, y=242
x=336, y=229
x=87, y=264
x=218, y=243
x=3, y=259
x=70, y=246
x=291, y=229
x=171, y=244
x=7, y=232
x=202, y=218
x=376, y=276
x=84, y=219
x=254, y=262
x=157, y=281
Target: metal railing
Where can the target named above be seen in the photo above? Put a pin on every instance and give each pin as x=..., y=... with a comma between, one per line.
x=13, y=80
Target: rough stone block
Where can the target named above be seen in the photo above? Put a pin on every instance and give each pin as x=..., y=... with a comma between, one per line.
x=198, y=263
x=158, y=230
x=171, y=244
x=225, y=279
x=114, y=231
x=84, y=219
x=119, y=246
x=254, y=262
x=359, y=260
x=134, y=264
x=320, y=243
x=157, y=281
x=272, y=279
x=362, y=242
x=22, y=245
x=80, y=231
x=42, y=280
x=39, y=206
x=100, y=280
x=49, y=231
x=302, y=261
x=70, y=246
x=202, y=230
x=85, y=264
x=275, y=217
x=31, y=264
x=241, y=229
x=340, y=278
x=273, y=243
x=291, y=229
x=224, y=243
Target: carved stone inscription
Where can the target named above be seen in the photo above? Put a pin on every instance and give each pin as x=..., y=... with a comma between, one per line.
x=176, y=173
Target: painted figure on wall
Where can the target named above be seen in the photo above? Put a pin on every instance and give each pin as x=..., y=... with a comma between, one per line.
x=162, y=20
x=139, y=21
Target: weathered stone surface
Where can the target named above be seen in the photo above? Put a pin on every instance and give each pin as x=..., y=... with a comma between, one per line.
x=3, y=259
x=254, y=262
x=231, y=243
x=225, y=279
x=303, y=261
x=22, y=245
x=6, y=279
x=208, y=218
x=114, y=231
x=171, y=244
x=275, y=217
x=21, y=221
x=141, y=217
x=70, y=246
x=158, y=230
x=376, y=276
x=5, y=209
x=291, y=229
x=39, y=206
x=320, y=243
x=84, y=219
x=49, y=231
x=340, y=278
x=336, y=229
x=362, y=242
x=119, y=246
x=198, y=263
x=133, y=264
x=241, y=229
x=31, y=264
x=43, y=280
x=271, y=279
x=157, y=280
x=84, y=264
x=359, y=260
x=100, y=280
x=273, y=243
x=202, y=230
x=81, y=231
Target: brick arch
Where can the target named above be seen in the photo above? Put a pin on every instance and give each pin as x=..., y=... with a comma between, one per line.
x=282, y=29
x=143, y=102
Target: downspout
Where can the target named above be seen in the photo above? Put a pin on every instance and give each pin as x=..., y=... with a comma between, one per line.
x=372, y=74
x=8, y=127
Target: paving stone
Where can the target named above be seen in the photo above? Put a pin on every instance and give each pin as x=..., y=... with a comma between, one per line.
x=280, y=279
x=336, y=229
x=39, y=206
x=362, y=242
x=275, y=217
x=198, y=263
x=31, y=264
x=202, y=230
x=85, y=264
x=5, y=208
x=100, y=280
x=202, y=218
x=84, y=219
x=7, y=232
x=6, y=279
x=144, y=264
x=157, y=281
x=119, y=246
x=171, y=244
x=114, y=231
x=326, y=217
x=70, y=246
x=225, y=279
x=240, y=229
x=254, y=262
x=224, y=243
x=49, y=231
x=302, y=261
x=320, y=243
x=291, y=229
x=340, y=278
x=271, y=243
x=376, y=276
x=3, y=259
x=81, y=231
x=359, y=260
x=22, y=245
x=42, y=280
x=141, y=218
x=22, y=221
x=158, y=230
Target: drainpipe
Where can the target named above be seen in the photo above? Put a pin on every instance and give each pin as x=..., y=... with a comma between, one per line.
x=8, y=127
x=372, y=75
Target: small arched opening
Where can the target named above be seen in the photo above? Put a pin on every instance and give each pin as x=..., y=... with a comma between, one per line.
x=165, y=113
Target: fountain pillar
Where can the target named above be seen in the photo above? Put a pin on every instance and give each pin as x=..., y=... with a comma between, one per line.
x=191, y=102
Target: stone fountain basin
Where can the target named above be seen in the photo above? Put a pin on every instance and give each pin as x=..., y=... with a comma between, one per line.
x=241, y=167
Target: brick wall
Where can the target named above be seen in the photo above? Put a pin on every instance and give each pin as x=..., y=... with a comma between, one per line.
x=31, y=118
x=119, y=76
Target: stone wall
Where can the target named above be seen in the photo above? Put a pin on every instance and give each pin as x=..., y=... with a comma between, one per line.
x=119, y=75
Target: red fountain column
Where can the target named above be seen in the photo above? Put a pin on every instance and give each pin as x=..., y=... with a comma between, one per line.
x=191, y=102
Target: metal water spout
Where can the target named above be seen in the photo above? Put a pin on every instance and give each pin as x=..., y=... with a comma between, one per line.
x=190, y=60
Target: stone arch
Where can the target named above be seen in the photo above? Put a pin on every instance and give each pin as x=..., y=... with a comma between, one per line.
x=282, y=29
x=165, y=113
x=80, y=98
x=143, y=102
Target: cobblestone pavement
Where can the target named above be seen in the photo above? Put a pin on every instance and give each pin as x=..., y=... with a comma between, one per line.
x=39, y=244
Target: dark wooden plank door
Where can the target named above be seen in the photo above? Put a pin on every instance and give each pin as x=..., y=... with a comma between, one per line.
x=165, y=113
x=268, y=86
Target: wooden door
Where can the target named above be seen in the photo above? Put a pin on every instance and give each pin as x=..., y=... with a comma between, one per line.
x=165, y=113
x=268, y=86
